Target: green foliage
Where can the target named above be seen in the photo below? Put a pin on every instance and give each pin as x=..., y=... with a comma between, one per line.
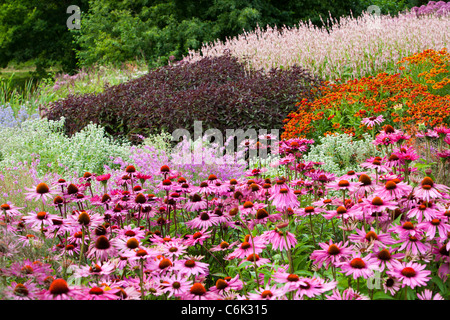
x=88, y=150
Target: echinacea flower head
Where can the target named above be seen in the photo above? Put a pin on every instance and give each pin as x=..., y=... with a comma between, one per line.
x=60, y=290
x=268, y=293
x=372, y=121
x=411, y=274
x=40, y=192
x=331, y=253
x=427, y=294
x=359, y=266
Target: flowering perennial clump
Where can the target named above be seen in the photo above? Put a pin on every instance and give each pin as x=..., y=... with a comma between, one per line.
x=379, y=231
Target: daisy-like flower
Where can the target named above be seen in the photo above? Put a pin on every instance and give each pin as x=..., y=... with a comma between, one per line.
x=433, y=226
x=312, y=287
x=284, y=198
x=413, y=244
x=40, y=192
x=60, y=290
x=198, y=292
x=372, y=121
x=203, y=220
x=197, y=237
x=428, y=190
x=351, y=175
x=10, y=210
x=376, y=204
x=331, y=253
x=358, y=266
x=343, y=185
x=376, y=164
x=427, y=294
x=410, y=273
x=377, y=239
x=391, y=284
x=101, y=249
x=173, y=249
x=22, y=291
x=255, y=259
x=393, y=189
x=248, y=246
x=175, y=285
x=425, y=210
x=385, y=256
x=99, y=269
x=227, y=284
x=192, y=266
x=268, y=293
x=97, y=293
x=38, y=219
x=408, y=228
x=195, y=203
x=347, y=294
x=279, y=239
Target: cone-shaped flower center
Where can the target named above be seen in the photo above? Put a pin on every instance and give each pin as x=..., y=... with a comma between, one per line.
x=341, y=210
x=384, y=255
x=198, y=289
x=408, y=225
x=333, y=250
x=293, y=278
x=377, y=201
x=371, y=235
x=408, y=272
x=204, y=216
x=84, y=218
x=42, y=188
x=224, y=245
x=248, y=204
x=365, y=180
x=59, y=286
x=253, y=257
x=132, y=243
x=21, y=290
x=343, y=183
x=358, y=263
x=72, y=189
x=390, y=185
x=102, y=243
x=221, y=284
x=261, y=214
x=165, y=263
x=266, y=293
x=189, y=263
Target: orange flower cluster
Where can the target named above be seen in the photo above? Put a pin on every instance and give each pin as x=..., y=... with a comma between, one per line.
x=341, y=107
x=436, y=64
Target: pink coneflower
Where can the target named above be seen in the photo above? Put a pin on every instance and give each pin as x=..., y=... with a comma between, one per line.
x=101, y=249
x=159, y=265
x=284, y=198
x=376, y=204
x=376, y=164
x=393, y=189
x=36, y=220
x=410, y=273
x=203, y=220
x=428, y=190
x=424, y=210
x=372, y=121
x=358, y=266
x=331, y=253
x=197, y=237
x=351, y=175
x=224, y=246
x=10, y=210
x=195, y=203
x=342, y=213
x=312, y=287
x=248, y=246
x=372, y=237
x=175, y=285
x=406, y=154
x=40, y=192
x=22, y=291
x=280, y=240
x=198, y=292
x=173, y=249
x=289, y=281
x=268, y=293
x=433, y=226
x=391, y=284
x=97, y=293
x=343, y=185
x=413, y=244
x=384, y=257
x=227, y=284
x=192, y=266
x=129, y=231
x=99, y=269
x=347, y=294
x=308, y=210
x=408, y=228
x=60, y=290
x=255, y=259
x=427, y=294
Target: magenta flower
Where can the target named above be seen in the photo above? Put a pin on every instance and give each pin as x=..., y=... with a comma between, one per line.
x=358, y=266
x=268, y=293
x=280, y=240
x=60, y=290
x=410, y=273
x=372, y=121
x=347, y=294
x=331, y=254
x=176, y=285
x=284, y=198
x=427, y=294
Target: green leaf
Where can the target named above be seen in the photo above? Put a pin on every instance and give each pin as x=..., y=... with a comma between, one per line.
x=380, y=295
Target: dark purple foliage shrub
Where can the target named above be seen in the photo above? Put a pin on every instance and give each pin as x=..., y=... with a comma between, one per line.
x=218, y=91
